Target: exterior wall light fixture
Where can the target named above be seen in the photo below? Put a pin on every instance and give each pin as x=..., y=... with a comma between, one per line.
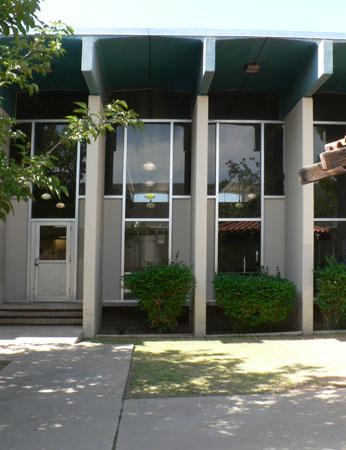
x=252, y=68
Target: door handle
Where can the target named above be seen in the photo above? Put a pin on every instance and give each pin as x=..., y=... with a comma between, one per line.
x=36, y=262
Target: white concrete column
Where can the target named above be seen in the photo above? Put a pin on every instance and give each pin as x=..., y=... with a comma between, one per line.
x=93, y=237
x=199, y=182
x=3, y=240
x=299, y=211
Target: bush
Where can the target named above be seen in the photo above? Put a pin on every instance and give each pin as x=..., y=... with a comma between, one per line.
x=162, y=291
x=331, y=292
x=252, y=300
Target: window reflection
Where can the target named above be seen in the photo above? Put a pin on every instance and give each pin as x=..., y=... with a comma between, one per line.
x=46, y=136
x=145, y=243
x=239, y=246
x=114, y=162
x=330, y=240
x=273, y=160
x=147, y=175
x=329, y=194
x=240, y=174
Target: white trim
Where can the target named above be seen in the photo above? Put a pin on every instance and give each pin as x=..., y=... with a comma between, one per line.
x=144, y=219
x=324, y=122
x=113, y=196
x=43, y=121
x=212, y=197
x=123, y=212
x=246, y=121
x=42, y=219
x=158, y=121
x=81, y=196
x=262, y=193
x=217, y=175
x=240, y=219
x=341, y=219
x=170, y=192
x=180, y=196
x=268, y=197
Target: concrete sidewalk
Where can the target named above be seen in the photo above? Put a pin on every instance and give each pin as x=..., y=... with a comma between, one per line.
x=292, y=421
x=58, y=395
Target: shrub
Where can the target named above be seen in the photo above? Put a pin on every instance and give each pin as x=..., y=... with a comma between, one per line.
x=331, y=292
x=162, y=291
x=252, y=300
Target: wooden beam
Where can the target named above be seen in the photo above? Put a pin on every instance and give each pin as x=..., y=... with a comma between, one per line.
x=333, y=159
x=310, y=174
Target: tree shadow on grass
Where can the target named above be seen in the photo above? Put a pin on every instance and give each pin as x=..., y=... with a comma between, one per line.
x=174, y=373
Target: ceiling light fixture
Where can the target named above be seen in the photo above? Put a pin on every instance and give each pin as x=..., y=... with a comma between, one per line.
x=149, y=166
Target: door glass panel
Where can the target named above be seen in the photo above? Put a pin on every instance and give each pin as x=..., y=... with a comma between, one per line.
x=52, y=243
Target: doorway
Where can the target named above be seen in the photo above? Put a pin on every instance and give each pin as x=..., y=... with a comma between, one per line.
x=52, y=261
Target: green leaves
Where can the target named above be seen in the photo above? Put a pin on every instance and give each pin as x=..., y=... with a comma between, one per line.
x=252, y=300
x=331, y=292
x=162, y=291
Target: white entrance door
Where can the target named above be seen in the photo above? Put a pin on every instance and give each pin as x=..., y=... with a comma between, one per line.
x=52, y=262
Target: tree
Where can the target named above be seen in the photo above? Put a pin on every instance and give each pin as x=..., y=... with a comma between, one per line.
x=28, y=48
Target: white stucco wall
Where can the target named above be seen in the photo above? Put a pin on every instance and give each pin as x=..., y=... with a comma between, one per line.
x=16, y=254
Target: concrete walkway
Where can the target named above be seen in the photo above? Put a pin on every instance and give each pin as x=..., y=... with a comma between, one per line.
x=293, y=421
x=58, y=395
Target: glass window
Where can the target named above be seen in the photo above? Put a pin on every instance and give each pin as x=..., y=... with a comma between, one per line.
x=82, y=169
x=239, y=171
x=16, y=147
x=211, y=158
x=114, y=162
x=330, y=240
x=182, y=159
x=239, y=245
x=46, y=136
x=273, y=160
x=147, y=174
x=329, y=194
x=145, y=243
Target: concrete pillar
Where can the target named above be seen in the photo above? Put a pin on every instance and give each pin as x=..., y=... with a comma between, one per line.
x=2, y=240
x=199, y=181
x=299, y=212
x=93, y=233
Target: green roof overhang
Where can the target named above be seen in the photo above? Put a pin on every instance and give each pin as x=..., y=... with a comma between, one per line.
x=291, y=68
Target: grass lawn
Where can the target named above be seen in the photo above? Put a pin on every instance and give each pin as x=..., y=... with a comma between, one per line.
x=170, y=368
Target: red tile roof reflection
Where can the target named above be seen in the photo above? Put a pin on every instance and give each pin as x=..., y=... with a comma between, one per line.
x=243, y=226
x=320, y=230
x=240, y=227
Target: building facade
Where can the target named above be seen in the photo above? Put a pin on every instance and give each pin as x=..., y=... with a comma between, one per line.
x=212, y=178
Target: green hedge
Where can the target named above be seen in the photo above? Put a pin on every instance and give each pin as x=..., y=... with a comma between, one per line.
x=254, y=299
x=331, y=293
x=162, y=291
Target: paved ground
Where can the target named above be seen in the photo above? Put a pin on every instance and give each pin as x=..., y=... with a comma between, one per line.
x=294, y=421
x=58, y=395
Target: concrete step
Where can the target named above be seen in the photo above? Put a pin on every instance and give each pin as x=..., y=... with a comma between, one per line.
x=40, y=313
x=41, y=306
x=40, y=321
